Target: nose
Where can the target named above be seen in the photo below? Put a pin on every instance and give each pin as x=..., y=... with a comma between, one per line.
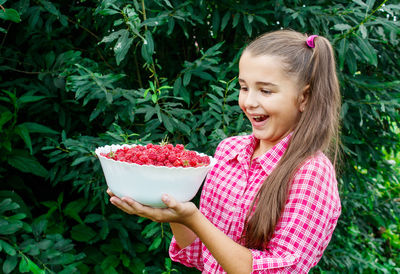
x=251, y=100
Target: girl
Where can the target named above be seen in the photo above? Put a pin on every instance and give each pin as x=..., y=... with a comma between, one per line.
x=271, y=202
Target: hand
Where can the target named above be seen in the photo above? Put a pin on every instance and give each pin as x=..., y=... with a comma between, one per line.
x=175, y=212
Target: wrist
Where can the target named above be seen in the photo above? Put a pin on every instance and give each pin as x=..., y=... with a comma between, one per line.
x=192, y=219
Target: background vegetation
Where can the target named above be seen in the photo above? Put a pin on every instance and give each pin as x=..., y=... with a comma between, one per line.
x=88, y=73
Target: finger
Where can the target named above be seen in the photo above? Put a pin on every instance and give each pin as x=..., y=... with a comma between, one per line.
x=154, y=214
x=132, y=203
x=109, y=192
x=170, y=202
x=137, y=208
x=122, y=205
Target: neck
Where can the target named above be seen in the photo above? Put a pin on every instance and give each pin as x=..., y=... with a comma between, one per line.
x=261, y=148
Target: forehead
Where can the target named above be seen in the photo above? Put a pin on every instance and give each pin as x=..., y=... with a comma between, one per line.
x=262, y=68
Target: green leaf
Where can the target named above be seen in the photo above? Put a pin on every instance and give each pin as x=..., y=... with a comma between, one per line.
x=38, y=128
x=8, y=248
x=114, y=35
x=18, y=205
x=167, y=122
x=186, y=78
x=156, y=243
x=5, y=117
x=50, y=7
x=110, y=261
x=168, y=4
x=24, y=134
x=10, y=264
x=225, y=20
x=368, y=51
x=363, y=31
x=80, y=160
x=171, y=25
x=73, y=208
x=235, y=21
x=92, y=218
x=247, y=25
x=45, y=244
x=29, y=99
x=183, y=127
x=8, y=228
x=23, y=265
x=50, y=58
x=342, y=27
x=18, y=216
x=63, y=259
x=343, y=47
x=82, y=233
x=351, y=62
x=177, y=86
x=215, y=23
x=137, y=265
x=27, y=163
x=34, y=267
x=7, y=205
x=154, y=98
x=147, y=49
x=10, y=15
x=108, y=12
x=150, y=42
x=122, y=46
x=361, y=3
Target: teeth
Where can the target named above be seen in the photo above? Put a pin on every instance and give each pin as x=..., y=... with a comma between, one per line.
x=259, y=118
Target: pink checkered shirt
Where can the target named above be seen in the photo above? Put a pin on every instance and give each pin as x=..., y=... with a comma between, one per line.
x=305, y=227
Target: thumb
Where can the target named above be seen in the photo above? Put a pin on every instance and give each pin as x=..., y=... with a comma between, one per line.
x=169, y=201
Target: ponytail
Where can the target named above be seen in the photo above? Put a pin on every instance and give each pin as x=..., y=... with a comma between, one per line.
x=317, y=129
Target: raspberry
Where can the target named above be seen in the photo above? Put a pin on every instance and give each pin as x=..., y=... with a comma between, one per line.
x=177, y=163
x=152, y=154
x=149, y=146
x=172, y=158
x=144, y=158
x=160, y=158
x=192, y=162
x=159, y=155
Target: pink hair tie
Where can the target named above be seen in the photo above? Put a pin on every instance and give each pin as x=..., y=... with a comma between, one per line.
x=310, y=41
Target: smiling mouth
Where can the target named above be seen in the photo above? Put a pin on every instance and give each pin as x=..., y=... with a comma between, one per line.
x=260, y=118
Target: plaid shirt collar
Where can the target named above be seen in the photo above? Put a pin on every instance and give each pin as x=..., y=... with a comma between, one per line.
x=268, y=161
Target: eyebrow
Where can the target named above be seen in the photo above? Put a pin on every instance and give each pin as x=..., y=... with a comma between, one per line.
x=260, y=83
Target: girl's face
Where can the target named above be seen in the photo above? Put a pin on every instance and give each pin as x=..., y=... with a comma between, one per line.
x=271, y=100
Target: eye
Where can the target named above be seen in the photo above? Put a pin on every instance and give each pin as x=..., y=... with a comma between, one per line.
x=266, y=91
x=243, y=88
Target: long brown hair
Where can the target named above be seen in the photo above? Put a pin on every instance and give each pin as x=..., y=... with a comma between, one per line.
x=317, y=129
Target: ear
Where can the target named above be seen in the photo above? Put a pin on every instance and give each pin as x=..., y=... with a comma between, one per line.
x=303, y=98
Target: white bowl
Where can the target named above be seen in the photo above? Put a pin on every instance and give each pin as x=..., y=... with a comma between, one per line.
x=146, y=184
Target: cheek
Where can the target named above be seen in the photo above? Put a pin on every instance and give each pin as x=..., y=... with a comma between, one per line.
x=241, y=100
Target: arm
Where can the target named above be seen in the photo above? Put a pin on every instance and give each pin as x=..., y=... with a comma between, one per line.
x=233, y=257
x=187, y=222
x=183, y=235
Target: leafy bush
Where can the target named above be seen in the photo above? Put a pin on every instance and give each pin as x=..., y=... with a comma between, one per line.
x=79, y=76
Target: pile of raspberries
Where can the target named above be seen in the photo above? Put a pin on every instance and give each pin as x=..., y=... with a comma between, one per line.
x=159, y=155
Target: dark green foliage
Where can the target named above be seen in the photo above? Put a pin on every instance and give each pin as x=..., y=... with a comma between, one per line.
x=88, y=73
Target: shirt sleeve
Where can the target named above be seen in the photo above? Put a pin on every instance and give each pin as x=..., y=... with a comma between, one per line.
x=189, y=256
x=307, y=223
